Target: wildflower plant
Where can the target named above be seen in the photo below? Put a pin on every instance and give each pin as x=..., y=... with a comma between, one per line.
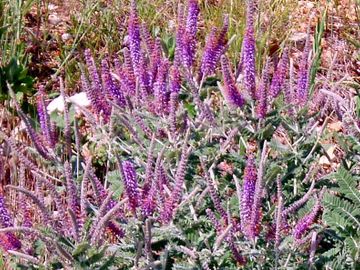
x=196, y=173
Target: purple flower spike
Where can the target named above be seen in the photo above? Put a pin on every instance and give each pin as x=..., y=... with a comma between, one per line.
x=278, y=80
x=126, y=77
x=263, y=92
x=229, y=90
x=303, y=75
x=189, y=36
x=150, y=44
x=214, y=220
x=214, y=48
x=173, y=200
x=192, y=17
x=175, y=85
x=44, y=118
x=129, y=70
x=175, y=80
x=9, y=240
x=72, y=192
x=162, y=95
x=96, y=90
x=179, y=36
x=144, y=78
x=247, y=195
x=110, y=86
x=155, y=60
x=130, y=182
x=304, y=224
x=248, y=53
x=115, y=229
x=5, y=219
x=208, y=62
x=149, y=202
x=134, y=38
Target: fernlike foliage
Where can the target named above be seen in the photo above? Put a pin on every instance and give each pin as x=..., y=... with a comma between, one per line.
x=343, y=217
x=161, y=172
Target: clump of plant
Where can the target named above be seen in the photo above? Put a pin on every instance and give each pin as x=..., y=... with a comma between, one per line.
x=167, y=193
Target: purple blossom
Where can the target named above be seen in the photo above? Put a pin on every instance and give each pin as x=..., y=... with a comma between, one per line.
x=96, y=104
x=235, y=252
x=126, y=79
x=229, y=90
x=149, y=41
x=278, y=80
x=288, y=90
x=179, y=36
x=209, y=58
x=173, y=200
x=34, y=136
x=128, y=65
x=101, y=195
x=174, y=87
x=304, y=223
x=303, y=75
x=44, y=118
x=162, y=94
x=263, y=92
x=113, y=89
x=115, y=229
x=149, y=202
x=96, y=93
x=214, y=48
x=72, y=192
x=172, y=111
x=256, y=212
x=10, y=241
x=27, y=217
x=155, y=60
x=140, y=122
x=134, y=38
x=130, y=183
x=248, y=53
x=143, y=77
x=214, y=220
x=247, y=194
x=189, y=36
x=192, y=17
x=214, y=196
x=163, y=180
x=5, y=219
x=175, y=80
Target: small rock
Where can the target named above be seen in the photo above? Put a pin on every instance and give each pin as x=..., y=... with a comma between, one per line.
x=52, y=7
x=54, y=19
x=297, y=37
x=310, y=5
x=335, y=126
x=66, y=37
x=331, y=153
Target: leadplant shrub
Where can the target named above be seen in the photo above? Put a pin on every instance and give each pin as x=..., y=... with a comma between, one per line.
x=173, y=166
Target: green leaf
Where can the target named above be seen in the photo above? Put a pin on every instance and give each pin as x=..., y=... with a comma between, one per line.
x=80, y=249
x=347, y=184
x=344, y=208
x=108, y=263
